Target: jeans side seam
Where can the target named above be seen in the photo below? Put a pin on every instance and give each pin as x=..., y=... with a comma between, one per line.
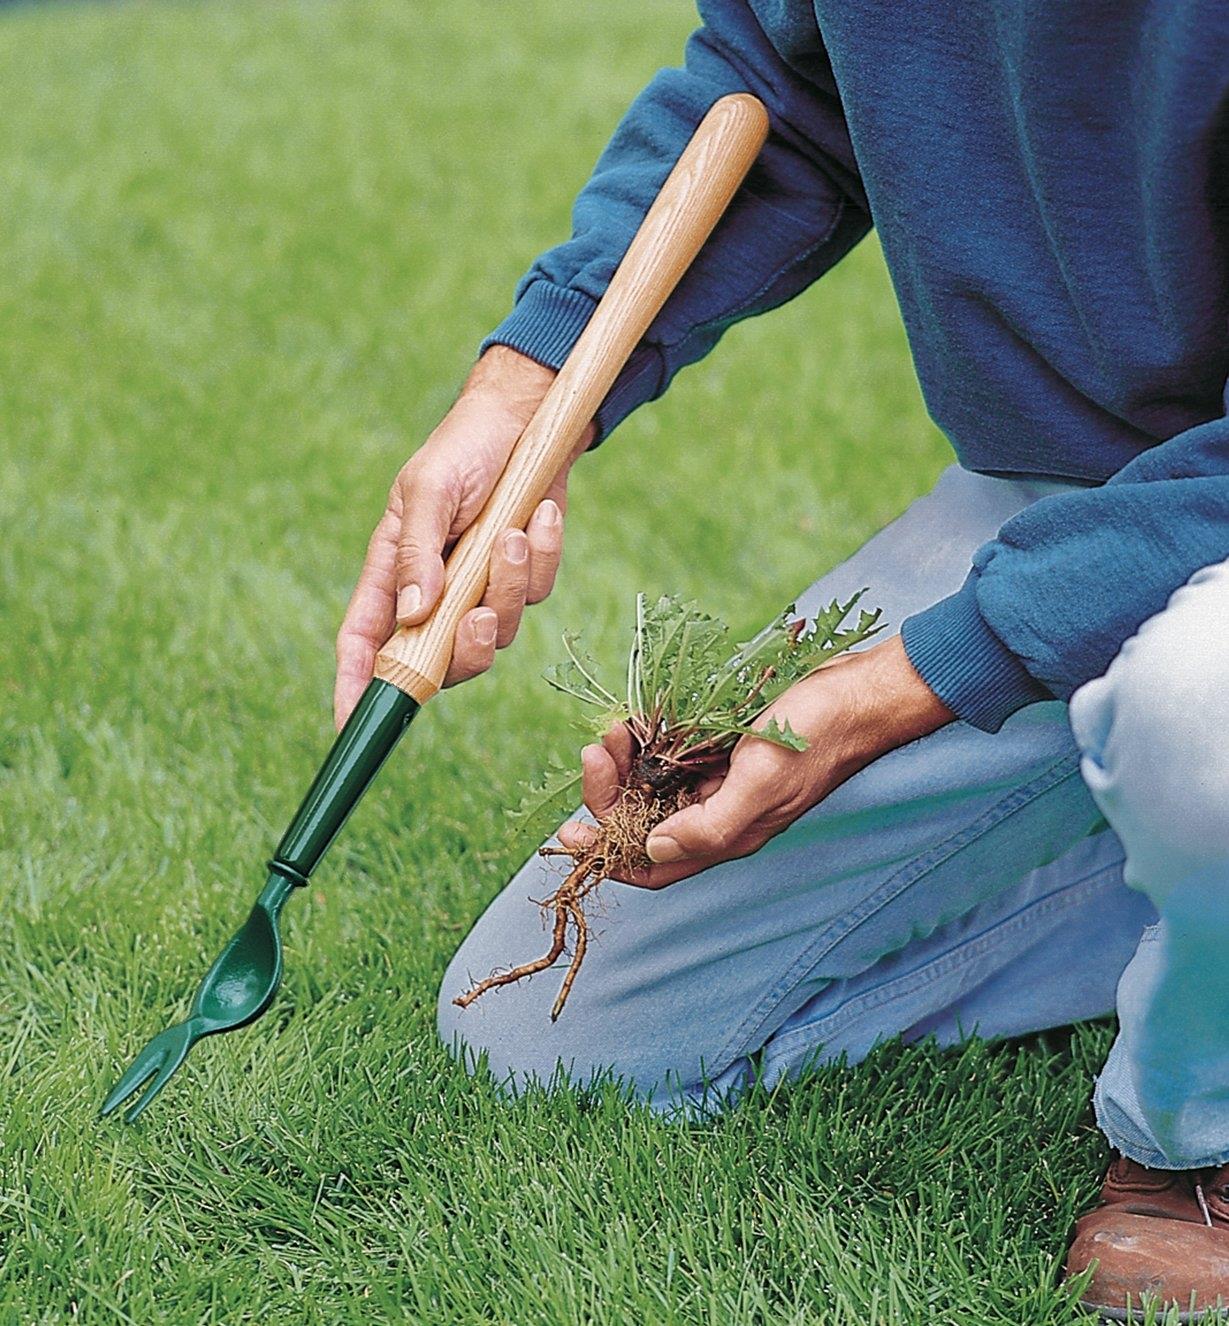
x=891, y=888
x=957, y=957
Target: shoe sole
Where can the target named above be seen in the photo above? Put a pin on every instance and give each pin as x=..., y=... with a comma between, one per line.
x=1137, y=1314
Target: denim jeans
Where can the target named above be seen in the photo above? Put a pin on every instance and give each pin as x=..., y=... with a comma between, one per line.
x=967, y=883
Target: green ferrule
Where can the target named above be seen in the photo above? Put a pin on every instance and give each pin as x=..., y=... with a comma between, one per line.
x=362, y=746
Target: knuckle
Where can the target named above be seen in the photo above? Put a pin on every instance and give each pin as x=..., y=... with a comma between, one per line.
x=541, y=581
x=406, y=481
x=724, y=837
x=546, y=561
x=473, y=669
x=406, y=561
x=547, y=545
x=718, y=839
x=424, y=482
x=432, y=478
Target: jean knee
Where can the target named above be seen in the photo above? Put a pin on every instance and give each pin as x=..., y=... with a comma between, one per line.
x=1152, y=729
x=508, y=1031
x=498, y=1031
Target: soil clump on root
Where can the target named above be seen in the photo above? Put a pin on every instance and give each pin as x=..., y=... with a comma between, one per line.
x=654, y=791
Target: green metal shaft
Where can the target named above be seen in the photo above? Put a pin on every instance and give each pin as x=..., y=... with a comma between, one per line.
x=362, y=746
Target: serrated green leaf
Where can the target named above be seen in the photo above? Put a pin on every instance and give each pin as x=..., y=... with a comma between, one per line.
x=557, y=782
x=685, y=685
x=782, y=735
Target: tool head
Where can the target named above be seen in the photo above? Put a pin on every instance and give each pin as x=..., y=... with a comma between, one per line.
x=235, y=991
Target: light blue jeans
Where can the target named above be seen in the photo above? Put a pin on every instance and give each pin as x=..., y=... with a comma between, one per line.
x=967, y=883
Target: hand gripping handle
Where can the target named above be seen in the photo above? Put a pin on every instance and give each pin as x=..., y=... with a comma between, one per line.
x=697, y=191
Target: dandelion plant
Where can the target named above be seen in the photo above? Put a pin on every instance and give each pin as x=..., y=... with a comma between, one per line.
x=686, y=699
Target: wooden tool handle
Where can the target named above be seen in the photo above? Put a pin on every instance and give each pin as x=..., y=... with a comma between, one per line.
x=415, y=658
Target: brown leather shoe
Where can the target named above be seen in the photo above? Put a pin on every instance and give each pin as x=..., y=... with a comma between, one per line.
x=1158, y=1235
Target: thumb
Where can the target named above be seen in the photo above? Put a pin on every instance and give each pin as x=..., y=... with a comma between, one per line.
x=710, y=828
x=428, y=507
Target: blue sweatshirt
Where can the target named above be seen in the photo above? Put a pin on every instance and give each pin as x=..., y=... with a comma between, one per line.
x=1050, y=185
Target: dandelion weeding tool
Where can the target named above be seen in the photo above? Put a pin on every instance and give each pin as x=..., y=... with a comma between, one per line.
x=412, y=664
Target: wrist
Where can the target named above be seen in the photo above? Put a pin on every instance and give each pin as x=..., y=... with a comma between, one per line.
x=509, y=380
x=503, y=363
x=895, y=705
x=514, y=384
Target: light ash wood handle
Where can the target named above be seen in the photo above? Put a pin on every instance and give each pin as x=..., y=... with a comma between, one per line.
x=697, y=191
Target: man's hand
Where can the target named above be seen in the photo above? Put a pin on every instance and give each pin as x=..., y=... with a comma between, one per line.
x=439, y=491
x=852, y=711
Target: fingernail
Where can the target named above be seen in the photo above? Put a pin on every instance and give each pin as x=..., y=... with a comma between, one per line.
x=550, y=515
x=485, y=628
x=663, y=849
x=516, y=547
x=409, y=600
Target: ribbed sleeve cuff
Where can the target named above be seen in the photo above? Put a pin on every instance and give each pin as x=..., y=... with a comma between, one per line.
x=966, y=665
x=546, y=323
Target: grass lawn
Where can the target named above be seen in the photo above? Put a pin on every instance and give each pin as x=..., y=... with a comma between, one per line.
x=246, y=252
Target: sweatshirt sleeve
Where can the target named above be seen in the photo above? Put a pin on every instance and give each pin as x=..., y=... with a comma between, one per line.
x=799, y=211
x=1051, y=600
